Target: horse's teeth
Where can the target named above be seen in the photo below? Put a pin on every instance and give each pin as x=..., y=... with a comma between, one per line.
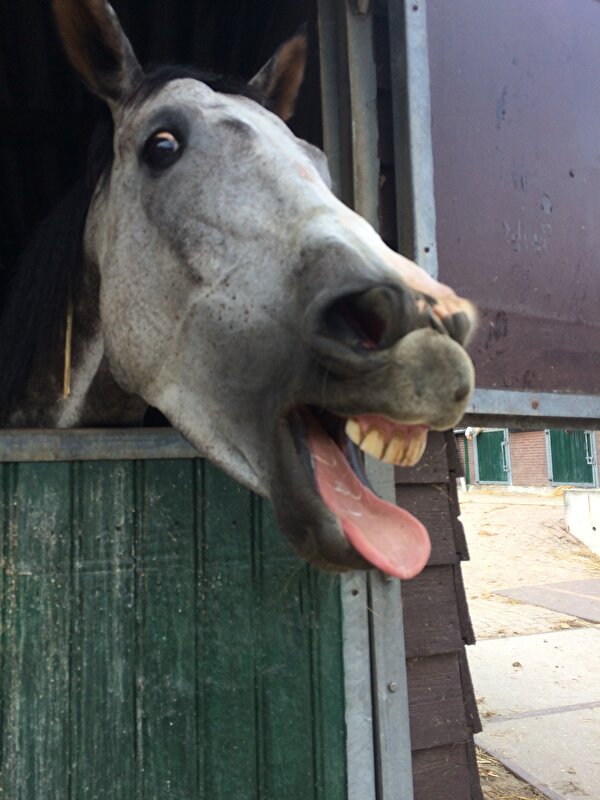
x=395, y=452
x=417, y=448
x=353, y=431
x=373, y=444
x=406, y=450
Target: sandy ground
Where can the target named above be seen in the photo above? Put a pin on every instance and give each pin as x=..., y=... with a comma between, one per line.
x=500, y=784
x=517, y=540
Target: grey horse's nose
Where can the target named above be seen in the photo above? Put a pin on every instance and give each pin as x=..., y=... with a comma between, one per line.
x=352, y=330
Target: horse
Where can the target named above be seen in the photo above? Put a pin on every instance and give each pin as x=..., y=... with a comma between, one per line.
x=204, y=267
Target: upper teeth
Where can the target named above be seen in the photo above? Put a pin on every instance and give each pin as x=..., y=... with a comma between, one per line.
x=373, y=443
x=404, y=448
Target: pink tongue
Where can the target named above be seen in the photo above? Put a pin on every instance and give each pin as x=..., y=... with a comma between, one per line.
x=388, y=537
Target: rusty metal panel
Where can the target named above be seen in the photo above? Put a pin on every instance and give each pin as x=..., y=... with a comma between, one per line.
x=516, y=121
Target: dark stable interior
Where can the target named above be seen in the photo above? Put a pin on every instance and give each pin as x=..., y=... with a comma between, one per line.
x=47, y=115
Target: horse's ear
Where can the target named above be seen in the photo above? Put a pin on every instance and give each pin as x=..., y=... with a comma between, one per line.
x=280, y=79
x=97, y=47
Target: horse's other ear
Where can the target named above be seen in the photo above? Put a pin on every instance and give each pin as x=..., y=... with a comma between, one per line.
x=280, y=79
x=98, y=48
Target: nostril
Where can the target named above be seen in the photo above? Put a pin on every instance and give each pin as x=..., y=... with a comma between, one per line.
x=462, y=393
x=362, y=322
x=374, y=319
x=458, y=326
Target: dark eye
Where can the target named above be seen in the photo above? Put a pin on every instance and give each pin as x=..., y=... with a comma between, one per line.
x=161, y=150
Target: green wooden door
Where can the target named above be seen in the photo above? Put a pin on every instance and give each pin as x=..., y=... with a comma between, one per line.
x=492, y=457
x=160, y=640
x=572, y=457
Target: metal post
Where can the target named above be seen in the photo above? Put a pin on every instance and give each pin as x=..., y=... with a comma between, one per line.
x=413, y=147
x=360, y=752
x=363, y=107
x=388, y=658
x=354, y=591
x=378, y=737
x=392, y=750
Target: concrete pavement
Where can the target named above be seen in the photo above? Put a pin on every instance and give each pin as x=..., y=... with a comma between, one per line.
x=537, y=662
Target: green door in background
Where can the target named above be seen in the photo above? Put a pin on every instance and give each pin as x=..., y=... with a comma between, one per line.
x=159, y=639
x=572, y=457
x=493, y=464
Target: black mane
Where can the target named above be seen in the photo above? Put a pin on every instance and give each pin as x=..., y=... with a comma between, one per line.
x=34, y=314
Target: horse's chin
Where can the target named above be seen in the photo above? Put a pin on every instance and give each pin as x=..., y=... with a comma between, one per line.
x=324, y=504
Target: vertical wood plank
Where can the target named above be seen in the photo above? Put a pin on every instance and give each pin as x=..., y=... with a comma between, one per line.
x=104, y=747
x=285, y=667
x=6, y=471
x=166, y=629
x=328, y=687
x=227, y=663
x=35, y=635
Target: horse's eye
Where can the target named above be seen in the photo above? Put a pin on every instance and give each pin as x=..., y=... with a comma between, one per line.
x=161, y=150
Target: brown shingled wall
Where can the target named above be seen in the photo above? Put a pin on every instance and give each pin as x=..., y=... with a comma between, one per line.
x=443, y=712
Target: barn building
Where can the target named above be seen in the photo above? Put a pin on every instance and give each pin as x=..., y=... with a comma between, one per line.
x=552, y=457
x=153, y=621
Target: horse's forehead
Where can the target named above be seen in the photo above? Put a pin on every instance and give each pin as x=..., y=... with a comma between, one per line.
x=205, y=106
x=188, y=92
x=197, y=98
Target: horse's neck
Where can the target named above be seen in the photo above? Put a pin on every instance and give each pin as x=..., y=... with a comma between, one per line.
x=93, y=397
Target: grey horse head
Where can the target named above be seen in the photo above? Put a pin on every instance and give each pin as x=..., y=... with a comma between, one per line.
x=266, y=320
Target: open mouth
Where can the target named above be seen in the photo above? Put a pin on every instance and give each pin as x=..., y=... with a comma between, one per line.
x=386, y=536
